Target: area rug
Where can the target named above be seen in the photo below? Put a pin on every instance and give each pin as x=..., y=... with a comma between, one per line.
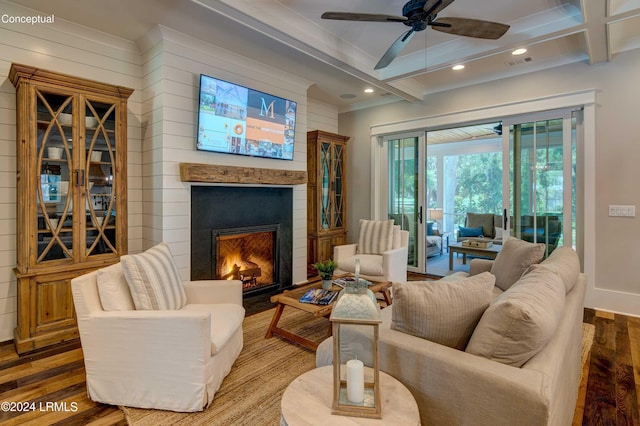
x=251, y=393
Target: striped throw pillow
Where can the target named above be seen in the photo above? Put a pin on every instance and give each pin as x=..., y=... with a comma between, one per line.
x=376, y=236
x=444, y=312
x=153, y=279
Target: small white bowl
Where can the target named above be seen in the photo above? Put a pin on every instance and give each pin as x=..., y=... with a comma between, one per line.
x=90, y=122
x=65, y=119
x=96, y=156
x=54, y=152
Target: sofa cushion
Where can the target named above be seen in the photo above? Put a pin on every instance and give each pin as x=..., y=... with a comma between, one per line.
x=376, y=236
x=113, y=289
x=521, y=321
x=564, y=262
x=484, y=220
x=153, y=279
x=442, y=312
x=226, y=318
x=514, y=258
x=470, y=232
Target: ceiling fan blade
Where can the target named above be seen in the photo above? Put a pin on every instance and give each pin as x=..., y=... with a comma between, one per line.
x=470, y=27
x=432, y=7
x=373, y=17
x=394, y=50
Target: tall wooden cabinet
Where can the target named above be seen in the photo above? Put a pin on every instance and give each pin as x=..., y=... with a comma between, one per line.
x=326, y=194
x=71, y=194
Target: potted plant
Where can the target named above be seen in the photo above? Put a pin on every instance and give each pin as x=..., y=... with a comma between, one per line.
x=325, y=270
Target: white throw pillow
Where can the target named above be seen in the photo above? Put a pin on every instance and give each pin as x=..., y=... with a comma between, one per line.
x=514, y=258
x=153, y=279
x=376, y=236
x=442, y=312
x=522, y=320
x=113, y=289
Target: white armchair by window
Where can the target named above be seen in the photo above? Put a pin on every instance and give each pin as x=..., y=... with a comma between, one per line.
x=382, y=249
x=158, y=345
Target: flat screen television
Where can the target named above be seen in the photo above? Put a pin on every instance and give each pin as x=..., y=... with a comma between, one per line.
x=234, y=119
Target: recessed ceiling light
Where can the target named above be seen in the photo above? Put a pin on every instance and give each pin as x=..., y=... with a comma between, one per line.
x=520, y=51
x=458, y=67
x=368, y=90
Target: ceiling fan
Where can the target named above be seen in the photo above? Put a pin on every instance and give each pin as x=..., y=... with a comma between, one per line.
x=418, y=14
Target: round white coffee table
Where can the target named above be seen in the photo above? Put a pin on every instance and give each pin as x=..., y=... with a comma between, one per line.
x=308, y=399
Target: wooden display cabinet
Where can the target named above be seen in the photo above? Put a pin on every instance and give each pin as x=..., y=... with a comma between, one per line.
x=71, y=194
x=326, y=194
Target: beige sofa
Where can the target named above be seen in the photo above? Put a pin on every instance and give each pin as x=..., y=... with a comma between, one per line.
x=454, y=387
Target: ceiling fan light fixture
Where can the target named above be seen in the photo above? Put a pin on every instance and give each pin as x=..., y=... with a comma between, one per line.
x=457, y=67
x=520, y=51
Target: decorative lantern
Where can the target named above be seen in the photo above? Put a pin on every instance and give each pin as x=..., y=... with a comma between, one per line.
x=355, y=319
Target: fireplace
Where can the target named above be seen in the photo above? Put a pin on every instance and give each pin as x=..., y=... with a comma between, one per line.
x=243, y=233
x=248, y=254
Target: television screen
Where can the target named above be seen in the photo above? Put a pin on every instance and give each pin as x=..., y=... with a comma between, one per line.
x=237, y=120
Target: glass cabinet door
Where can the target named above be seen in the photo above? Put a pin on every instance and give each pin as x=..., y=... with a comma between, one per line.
x=325, y=179
x=338, y=196
x=100, y=159
x=54, y=162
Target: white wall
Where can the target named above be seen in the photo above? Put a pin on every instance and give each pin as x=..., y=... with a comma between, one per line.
x=614, y=285
x=69, y=49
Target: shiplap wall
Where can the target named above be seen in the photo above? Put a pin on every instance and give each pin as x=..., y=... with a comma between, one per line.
x=75, y=50
x=322, y=116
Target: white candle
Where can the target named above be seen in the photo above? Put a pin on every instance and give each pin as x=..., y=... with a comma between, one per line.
x=357, y=274
x=355, y=381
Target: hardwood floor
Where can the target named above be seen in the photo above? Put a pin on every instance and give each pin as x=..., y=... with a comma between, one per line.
x=53, y=380
x=612, y=394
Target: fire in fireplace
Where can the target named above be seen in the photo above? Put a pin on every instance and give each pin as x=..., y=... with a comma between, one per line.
x=249, y=254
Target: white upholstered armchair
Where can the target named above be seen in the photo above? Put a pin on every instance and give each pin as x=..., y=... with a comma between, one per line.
x=382, y=249
x=164, y=357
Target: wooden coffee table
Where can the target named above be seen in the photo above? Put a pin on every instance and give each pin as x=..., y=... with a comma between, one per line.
x=491, y=252
x=291, y=298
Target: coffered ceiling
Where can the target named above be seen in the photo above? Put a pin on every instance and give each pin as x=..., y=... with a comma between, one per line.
x=339, y=56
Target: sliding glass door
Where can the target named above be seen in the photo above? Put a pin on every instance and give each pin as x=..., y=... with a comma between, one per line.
x=541, y=187
x=464, y=175
x=404, y=187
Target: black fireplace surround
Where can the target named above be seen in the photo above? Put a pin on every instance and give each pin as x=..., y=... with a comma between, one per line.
x=223, y=207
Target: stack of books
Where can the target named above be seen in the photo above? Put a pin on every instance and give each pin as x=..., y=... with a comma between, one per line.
x=318, y=296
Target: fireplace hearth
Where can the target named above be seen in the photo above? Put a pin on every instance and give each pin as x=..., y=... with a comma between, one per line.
x=243, y=233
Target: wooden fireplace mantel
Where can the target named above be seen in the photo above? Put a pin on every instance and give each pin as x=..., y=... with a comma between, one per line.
x=209, y=173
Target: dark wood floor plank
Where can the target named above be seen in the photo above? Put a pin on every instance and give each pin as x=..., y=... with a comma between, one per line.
x=626, y=401
x=601, y=386
x=633, y=325
x=41, y=353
